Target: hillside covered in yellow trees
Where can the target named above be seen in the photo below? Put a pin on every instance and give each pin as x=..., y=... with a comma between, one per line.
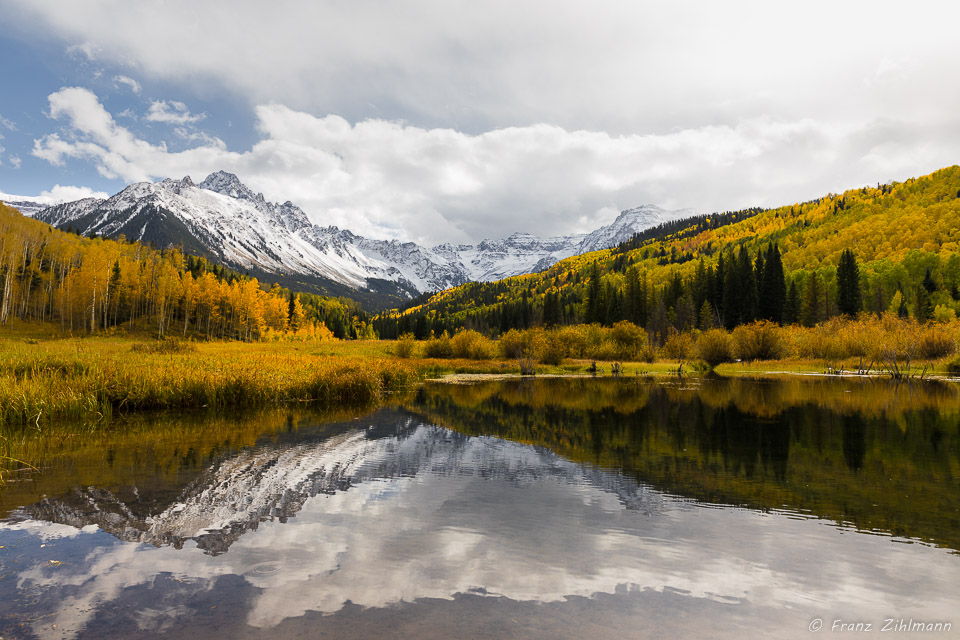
x=896, y=247
x=89, y=285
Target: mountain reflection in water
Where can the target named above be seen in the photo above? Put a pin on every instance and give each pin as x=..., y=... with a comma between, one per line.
x=725, y=505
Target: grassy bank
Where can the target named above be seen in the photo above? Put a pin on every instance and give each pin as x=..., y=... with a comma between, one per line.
x=889, y=344
x=44, y=378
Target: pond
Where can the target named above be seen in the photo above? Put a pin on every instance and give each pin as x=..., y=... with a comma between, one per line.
x=547, y=508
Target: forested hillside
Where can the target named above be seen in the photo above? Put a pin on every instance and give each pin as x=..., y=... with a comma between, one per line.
x=896, y=248
x=90, y=285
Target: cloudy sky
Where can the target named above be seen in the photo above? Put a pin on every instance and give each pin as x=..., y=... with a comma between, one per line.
x=448, y=120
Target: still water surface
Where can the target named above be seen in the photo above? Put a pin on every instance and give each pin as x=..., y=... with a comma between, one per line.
x=538, y=508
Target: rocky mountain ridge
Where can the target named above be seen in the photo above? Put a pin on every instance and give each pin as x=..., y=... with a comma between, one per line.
x=222, y=218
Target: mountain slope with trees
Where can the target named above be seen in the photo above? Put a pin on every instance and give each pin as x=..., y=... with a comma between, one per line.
x=90, y=285
x=889, y=248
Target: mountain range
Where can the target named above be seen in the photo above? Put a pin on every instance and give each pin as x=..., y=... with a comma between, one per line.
x=222, y=219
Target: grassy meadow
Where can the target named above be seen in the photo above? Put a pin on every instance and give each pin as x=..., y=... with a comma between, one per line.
x=47, y=377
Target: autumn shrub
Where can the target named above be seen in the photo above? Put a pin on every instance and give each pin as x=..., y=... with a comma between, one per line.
x=575, y=339
x=510, y=345
x=472, y=345
x=438, y=347
x=679, y=346
x=761, y=340
x=406, y=346
x=835, y=339
x=944, y=314
x=595, y=343
x=628, y=340
x=607, y=351
x=934, y=342
x=528, y=344
x=558, y=345
x=873, y=339
x=715, y=347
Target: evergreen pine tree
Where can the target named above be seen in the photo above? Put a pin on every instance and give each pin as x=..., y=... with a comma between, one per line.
x=748, y=287
x=633, y=303
x=700, y=285
x=706, y=320
x=811, y=310
x=773, y=289
x=758, y=273
x=731, y=293
x=548, y=309
x=849, y=297
x=791, y=308
x=614, y=307
x=114, y=291
x=928, y=282
x=719, y=280
x=593, y=308
x=686, y=313
x=659, y=322
x=923, y=310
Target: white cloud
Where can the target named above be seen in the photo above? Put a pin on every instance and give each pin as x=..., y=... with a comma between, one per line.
x=15, y=161
x=199, y=136
x=630, y=67
x=128, y=81
x=69, y=193
x=387, y=179
x=56, y=195
x=172, y=112
x=543, y=116
x=86, y=49
x=7, y=124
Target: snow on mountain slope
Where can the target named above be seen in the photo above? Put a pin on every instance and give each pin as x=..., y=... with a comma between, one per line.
x=627, y=224
x=223, y=217
x=28, y=205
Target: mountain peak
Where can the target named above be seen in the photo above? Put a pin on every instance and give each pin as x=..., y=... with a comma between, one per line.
x=644, y=208
x=221, y=178
x=629, y=222
x=229, y=184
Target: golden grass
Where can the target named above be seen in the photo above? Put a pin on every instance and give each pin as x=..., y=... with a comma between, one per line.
x=46, y=378
x=91, y=379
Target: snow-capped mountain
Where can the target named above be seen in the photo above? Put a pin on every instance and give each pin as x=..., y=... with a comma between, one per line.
x=627, y=224
x=222, y=218
x=27, y=205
